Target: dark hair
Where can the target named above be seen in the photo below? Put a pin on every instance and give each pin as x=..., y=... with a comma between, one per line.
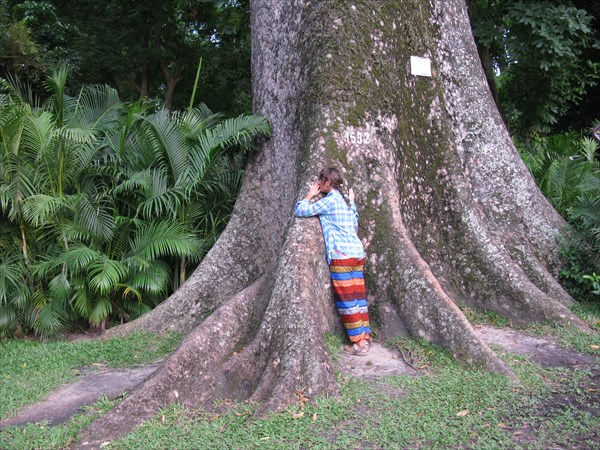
x=334, y=176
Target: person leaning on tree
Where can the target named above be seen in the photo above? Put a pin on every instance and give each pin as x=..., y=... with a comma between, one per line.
x=345, y=254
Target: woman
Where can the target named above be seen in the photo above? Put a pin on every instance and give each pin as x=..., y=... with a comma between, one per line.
x=345, y=254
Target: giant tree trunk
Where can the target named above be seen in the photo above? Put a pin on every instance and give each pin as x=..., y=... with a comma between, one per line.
x=449, y=214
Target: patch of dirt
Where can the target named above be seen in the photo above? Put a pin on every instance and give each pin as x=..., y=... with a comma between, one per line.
x=542, y=351
x=584, y=397
x=379, y=362
x=67, y=401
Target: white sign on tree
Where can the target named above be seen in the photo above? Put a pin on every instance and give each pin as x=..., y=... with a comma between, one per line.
x=420, y=66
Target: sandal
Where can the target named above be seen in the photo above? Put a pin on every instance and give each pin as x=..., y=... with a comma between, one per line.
x=356, y=350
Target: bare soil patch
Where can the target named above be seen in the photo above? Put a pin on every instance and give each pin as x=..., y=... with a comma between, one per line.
x=583, y=398
x=380, y=361
x=68, y=400
x=542, y=351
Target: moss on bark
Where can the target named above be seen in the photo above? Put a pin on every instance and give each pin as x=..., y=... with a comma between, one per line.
x=334, y=79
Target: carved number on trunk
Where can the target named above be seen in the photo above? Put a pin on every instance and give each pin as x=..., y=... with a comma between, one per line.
x=358, y=137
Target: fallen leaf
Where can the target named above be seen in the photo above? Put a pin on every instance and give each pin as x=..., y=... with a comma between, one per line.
x=462, y=413
x=314, y=418
x=592, y=390
x=595, y=347
x=501, y=425
x=298, y=415
x=301, y=398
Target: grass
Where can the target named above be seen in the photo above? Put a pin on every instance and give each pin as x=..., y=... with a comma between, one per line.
x=29, y=370
x=448, y=406
x=43, y=436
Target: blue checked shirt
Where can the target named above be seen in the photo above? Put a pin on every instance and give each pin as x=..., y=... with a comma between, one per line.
x=339, y=223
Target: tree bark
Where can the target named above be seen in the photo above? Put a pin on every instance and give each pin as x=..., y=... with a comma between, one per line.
x=171, y=79
x=449, y=214
x=142, y=85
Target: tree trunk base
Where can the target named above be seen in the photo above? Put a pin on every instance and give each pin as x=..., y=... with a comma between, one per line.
x=449, y=213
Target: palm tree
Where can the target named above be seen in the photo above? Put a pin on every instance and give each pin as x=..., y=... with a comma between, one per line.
x=45, y=187
x=103, y=199
x=172, y=166
x=567, y=171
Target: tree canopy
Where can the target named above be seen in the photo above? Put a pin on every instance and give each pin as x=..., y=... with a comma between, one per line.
x=144, y=49
x=541, y=57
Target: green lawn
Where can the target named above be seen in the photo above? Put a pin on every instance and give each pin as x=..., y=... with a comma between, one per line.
x=29, y=370
x=448, y=406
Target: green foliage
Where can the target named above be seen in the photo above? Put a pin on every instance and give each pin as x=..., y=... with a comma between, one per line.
x=33, y=38
x=567, y=170
x=107, y=207
x=562, y=166
x=540, y=51
x=159, y=43
x=594, y=279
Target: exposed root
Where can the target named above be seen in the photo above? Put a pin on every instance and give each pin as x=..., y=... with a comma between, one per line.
x=540, y=275
x=295, y=322
x=432, y=315
x=190, y=374
x=510, y=292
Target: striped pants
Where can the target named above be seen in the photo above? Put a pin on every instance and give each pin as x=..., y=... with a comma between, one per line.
x=350, y=296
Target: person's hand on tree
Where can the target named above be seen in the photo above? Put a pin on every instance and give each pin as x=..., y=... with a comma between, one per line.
x=314, y=190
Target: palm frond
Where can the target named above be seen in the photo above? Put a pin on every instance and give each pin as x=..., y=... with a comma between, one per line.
x=101, y=311
x=38, y=132
x=12, y=279
x=232, y=132
x=588, y=148
x=95, y=219
x=38, y=209
x=154, y=279
x=163, y=238
x=167, y=140
x=47, y=317
x=21, y=92
x=98, y=108
x=105, y=274
x=82, y=300
x=198, y=120
x=78, y=257
x=59, y=287
x=8, y=320
x=55, y=84
x=145, y=180
x=161, y=204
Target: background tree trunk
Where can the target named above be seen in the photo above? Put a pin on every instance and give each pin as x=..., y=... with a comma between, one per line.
x=449, y=214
